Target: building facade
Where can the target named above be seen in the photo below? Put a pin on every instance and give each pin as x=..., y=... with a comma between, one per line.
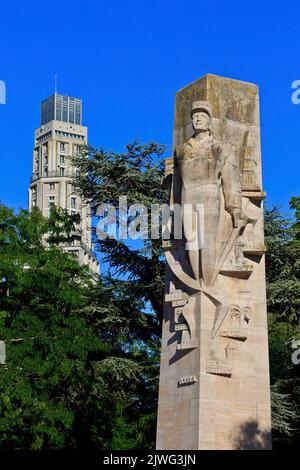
x=60, y=136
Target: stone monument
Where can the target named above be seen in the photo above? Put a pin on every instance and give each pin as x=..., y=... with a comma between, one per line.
x=214, y=388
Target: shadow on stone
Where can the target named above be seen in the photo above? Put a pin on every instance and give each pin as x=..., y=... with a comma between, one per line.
x=173, y=339
x=178, y=355
x=251, y=437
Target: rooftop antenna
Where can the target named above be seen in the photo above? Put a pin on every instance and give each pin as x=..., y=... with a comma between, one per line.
x=55, y=83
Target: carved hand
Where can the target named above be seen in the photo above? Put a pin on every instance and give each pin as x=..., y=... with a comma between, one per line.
x=236, y=216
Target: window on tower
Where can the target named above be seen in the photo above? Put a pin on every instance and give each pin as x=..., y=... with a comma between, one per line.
x=33, y=194
x=51, y=201
x=65, y=108
x=62, y=159
x=62, y=172
x=62, y=146
x=51, y=186
x=73, y=202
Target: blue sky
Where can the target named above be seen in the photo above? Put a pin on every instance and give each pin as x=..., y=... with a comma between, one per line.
x=127, y=59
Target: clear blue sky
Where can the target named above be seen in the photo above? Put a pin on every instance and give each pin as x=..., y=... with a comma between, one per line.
x=127, y=59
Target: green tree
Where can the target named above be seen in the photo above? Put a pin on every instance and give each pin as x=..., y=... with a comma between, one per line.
x=49, y=372
x=127, y=307
x=283, y=294
x=63, y=383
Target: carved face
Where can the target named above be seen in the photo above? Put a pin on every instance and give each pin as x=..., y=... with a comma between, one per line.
x=201, y=121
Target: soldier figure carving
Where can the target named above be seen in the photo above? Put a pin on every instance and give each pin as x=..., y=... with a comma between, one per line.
x=206, y=168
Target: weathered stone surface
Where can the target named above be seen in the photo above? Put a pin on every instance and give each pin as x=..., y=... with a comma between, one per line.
x=214, y=379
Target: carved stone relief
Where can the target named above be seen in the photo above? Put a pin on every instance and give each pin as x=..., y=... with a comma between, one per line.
x=207, y=172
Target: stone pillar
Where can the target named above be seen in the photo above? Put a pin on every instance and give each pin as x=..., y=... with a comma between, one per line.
x=214, y=388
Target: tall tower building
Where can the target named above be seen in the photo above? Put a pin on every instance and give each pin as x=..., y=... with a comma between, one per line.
x=60, y=136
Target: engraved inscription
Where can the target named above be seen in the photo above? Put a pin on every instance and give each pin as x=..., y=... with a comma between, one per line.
x=190, y=379
x=218, y=367
x=180, y=326
x=236, y=334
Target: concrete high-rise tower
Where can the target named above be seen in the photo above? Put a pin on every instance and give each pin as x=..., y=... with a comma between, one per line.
x=60, y=136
